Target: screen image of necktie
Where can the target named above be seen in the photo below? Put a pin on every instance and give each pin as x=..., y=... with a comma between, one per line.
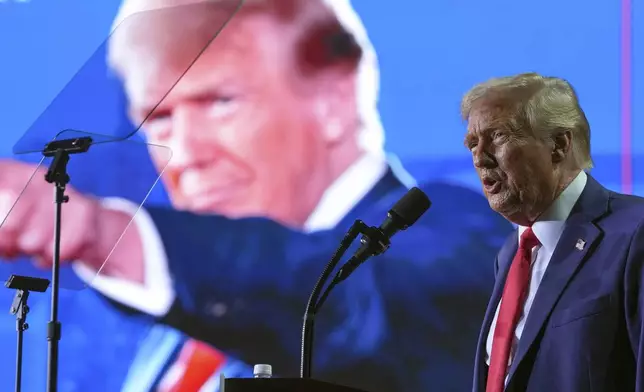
x=512, y=301
x=196, y=364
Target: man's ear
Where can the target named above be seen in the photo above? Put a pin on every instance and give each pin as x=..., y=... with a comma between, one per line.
x=561, y=145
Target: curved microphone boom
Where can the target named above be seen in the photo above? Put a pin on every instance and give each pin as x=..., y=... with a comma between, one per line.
x=375, y=240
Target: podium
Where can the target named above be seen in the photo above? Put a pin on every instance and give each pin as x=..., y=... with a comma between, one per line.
x=282, y=385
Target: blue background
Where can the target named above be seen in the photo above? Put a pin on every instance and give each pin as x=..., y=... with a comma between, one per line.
x=430, y=53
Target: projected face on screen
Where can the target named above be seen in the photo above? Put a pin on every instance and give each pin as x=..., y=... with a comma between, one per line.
x=256, y=126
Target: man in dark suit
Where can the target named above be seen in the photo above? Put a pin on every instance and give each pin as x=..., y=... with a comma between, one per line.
x=566, y=313
x=277, y=150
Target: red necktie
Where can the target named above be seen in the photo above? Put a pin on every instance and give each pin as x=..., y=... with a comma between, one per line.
x=514, y=294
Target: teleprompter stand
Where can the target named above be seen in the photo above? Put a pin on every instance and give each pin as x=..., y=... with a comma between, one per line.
x=23, y=286
x=60, y=151
x=78, y=108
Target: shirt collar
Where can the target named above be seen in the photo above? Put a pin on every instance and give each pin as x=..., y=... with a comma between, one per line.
x=347, y=190
x=550, y=225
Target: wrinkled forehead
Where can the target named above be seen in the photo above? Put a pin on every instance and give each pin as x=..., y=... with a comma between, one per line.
x=483, y=118
x=494, y=113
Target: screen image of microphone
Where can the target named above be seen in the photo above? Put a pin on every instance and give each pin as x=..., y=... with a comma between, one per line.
x=375, y=241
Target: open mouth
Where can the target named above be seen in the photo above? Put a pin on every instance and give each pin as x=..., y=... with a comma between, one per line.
x=491, y=185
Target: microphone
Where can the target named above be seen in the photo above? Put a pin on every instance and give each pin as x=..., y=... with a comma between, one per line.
x=375, y=240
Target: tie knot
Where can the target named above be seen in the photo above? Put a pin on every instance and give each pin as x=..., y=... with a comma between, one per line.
x=528, y=239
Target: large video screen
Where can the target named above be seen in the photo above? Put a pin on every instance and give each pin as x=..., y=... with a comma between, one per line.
x=239, y=143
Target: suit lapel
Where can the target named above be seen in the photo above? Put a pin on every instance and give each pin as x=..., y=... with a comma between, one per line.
x=504, y=260
x=383, y=189
x=565, y=261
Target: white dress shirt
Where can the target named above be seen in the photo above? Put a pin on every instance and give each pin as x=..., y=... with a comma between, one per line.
x=547, y=229
x=156, y=295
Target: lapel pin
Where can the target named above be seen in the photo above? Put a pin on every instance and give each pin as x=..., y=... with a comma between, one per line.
x=580, y=244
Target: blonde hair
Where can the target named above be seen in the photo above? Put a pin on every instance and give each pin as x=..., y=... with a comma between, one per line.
x=371, y=137
x=545, y=105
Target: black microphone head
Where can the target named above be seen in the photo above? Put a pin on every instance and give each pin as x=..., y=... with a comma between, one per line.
x=411, y=207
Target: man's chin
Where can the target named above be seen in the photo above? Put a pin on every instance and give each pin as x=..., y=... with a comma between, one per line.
x=500, y=203
x=509, y=210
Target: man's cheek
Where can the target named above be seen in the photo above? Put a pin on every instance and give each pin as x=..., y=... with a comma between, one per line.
x=511, y=156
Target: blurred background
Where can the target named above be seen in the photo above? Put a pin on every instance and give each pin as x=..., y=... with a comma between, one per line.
x=429, y=52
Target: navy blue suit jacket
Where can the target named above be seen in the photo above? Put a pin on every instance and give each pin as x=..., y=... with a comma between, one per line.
x=404, y=321
x=584, y=330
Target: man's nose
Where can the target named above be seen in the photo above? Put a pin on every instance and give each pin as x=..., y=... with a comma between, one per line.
x=483, y=158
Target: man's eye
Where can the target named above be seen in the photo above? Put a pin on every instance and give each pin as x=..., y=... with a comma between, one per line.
x=224, y=99
x=223, y=106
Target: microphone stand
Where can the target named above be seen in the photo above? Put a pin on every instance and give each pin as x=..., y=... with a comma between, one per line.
x=19, y=307
x=374, y=242
x=312, y=306
x=57, y=175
